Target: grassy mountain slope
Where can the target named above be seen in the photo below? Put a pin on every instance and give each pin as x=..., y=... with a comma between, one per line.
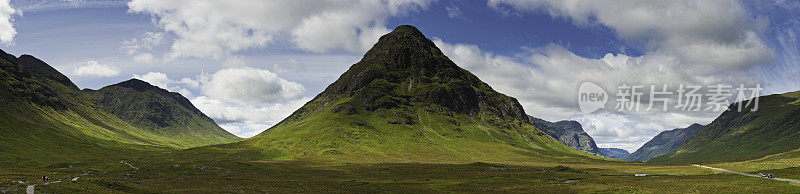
x=568, y=132
x=45, y=119
x=405, y=101
x=159, y=111
x=664, y=142
x=746, y=135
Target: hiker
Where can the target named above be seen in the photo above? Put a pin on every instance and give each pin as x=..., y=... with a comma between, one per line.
x=45, y=179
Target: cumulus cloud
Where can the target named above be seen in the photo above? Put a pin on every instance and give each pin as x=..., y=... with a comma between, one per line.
x=7, y=31
x=546, y=80
x=250, y=86
x=48, y=5
x=215, y=29
x=139, y=47
x=246, y=100
x=704, y=35
x=454, y=12
x=247, y=120
x=684, y=42
x=92, y=68
x=242, y=100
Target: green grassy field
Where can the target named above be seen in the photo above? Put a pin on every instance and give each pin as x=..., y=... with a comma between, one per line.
x=181, y=172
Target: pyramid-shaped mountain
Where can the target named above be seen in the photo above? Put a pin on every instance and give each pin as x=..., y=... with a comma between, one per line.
x=407, y=101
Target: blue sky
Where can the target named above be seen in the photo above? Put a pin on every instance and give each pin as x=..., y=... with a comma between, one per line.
x=248, y=64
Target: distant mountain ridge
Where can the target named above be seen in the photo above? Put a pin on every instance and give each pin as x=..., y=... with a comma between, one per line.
x=568, y=132
x=664, y=142
x=615, y=153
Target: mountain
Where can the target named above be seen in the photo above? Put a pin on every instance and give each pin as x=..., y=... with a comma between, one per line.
x=569, y=133
x=46, y=119
x=161, y=112
x=615, y=153
x=664, y=142
x=744, y=135
x=405, y=101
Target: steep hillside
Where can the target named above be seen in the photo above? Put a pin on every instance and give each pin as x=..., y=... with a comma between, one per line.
x=746, y=135
x=664, y=142
x=615, y=153
x=568, y=132
x=45, y=119
x=405, y=101
x=161, y=112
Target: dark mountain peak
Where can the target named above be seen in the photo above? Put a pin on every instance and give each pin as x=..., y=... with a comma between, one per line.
x=143, y=86
x=571, y=124
x=160, y=102
x=568, y=132
x=405, y=69
x=695, y=125
x=40, y=68
x=407, y=35
x=407, y=47
x=137, y=85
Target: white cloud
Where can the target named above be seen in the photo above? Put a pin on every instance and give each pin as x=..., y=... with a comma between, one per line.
x=689, y=42
x=7, y=31
x=242, y=100
x=92, y=68
x=630, y=132
x=144, y=58
x=704, y=36
x=49, y=5
x=190, y=82
x=236, y=95
x=454, y=12
x=139, y=47
x=247, y=120
x=250, y=86
x=216, y=29
x=545, y=80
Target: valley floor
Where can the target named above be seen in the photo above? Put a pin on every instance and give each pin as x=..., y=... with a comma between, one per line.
x=181, y=174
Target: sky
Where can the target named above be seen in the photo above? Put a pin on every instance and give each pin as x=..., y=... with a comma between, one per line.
x=250, y=63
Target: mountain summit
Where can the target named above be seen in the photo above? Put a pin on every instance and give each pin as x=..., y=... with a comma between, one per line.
x=407, y=101
x=160, y=111
x=568, y=132
x=405, y=67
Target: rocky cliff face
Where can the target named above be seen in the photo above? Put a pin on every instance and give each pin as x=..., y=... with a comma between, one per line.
x=664, y=142
x=568, y=132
